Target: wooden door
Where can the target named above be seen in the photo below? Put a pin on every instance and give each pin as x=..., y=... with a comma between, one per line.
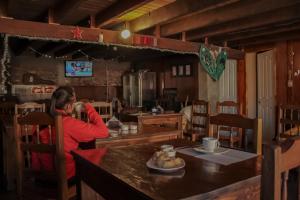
x=266, y=87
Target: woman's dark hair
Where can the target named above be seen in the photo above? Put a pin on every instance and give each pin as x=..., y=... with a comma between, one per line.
x=60, y=97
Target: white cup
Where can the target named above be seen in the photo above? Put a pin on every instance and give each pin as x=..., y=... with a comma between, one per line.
x=166, y=147
x=210, y=143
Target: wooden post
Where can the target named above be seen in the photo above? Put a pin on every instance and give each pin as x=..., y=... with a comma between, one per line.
x=61, y=160
x=50, y=16
x=183, y=36
x=92, y=21
x=157, y=31
x=271, y=187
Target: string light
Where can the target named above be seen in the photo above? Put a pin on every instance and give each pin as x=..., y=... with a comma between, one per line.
x=47, y=55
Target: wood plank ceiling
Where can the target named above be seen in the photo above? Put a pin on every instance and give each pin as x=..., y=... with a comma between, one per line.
x=239, y=23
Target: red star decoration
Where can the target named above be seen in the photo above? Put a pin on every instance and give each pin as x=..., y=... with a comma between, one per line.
x=77, y=33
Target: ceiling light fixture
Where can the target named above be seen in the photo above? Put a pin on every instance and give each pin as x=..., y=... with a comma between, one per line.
x=125, y=34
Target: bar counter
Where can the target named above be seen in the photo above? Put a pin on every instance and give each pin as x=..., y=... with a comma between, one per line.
x=154, y=134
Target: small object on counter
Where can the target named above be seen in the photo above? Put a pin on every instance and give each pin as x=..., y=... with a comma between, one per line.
x=113, y=133
x=125, y=132
x=113, y=123
x=124, y=128
x=133, y=129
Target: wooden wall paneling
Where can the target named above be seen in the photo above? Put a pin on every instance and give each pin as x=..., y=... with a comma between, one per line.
x=295, y=45
x=283, y=93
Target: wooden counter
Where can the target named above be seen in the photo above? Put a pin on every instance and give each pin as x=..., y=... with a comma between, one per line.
x=151, y=135
x=147, y=122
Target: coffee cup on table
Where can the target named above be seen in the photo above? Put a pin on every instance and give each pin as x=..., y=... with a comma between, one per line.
x=210, y=144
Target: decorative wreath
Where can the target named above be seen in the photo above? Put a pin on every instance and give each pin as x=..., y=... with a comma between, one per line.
x=213, y=61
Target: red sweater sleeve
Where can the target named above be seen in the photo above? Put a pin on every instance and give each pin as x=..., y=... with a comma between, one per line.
x=83, y=132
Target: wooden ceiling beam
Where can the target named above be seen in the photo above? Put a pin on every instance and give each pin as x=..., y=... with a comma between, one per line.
x=266, y=39
x=272, y=17
x=259, y=32
x=174, y=10
x=116, y=10
x=220, y=15
x=91, y=35
x=64, y=9
x=3, y=8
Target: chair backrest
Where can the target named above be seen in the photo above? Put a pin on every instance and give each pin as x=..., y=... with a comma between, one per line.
x=238, y=121
x=230, y=107
x=104, y=109
x=26, y=148
x=28, y=107
x=200, y=115
x=279, y=159
x=288, y=121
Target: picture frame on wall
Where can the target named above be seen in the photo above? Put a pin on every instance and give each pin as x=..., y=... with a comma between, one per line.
x=174, y=70
x=180, y=70
x=188, y=71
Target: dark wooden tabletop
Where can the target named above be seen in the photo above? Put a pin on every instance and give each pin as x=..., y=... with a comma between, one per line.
x=128, y=166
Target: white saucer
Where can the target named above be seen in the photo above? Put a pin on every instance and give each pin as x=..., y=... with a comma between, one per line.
x=218, y=150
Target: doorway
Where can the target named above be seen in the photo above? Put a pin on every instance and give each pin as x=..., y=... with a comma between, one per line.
x=266, y=91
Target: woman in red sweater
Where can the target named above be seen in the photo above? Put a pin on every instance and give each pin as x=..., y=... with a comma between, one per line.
x=75, y=131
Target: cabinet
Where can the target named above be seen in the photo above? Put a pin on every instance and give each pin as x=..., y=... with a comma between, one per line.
x=139, y=87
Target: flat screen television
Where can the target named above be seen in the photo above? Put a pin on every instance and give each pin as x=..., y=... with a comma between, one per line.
x=77, y=68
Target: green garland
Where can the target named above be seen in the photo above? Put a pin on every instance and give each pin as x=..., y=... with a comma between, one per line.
x=213, y=66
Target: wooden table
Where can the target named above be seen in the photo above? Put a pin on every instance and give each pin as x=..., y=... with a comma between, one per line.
x=121, y=173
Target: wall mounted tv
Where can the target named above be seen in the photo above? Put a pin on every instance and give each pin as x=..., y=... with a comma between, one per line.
x=77, y=68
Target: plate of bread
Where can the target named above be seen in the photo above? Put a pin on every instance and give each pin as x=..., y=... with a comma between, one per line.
x=165, y=161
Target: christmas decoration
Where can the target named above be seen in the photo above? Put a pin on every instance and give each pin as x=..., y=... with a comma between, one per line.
x=5, y=63
x=213, y=61
x=77, y=33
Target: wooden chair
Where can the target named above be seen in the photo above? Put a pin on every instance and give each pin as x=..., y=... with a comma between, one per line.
x=232, y=135
x=24, y=150
x=288, y=121
x=27, y=107
x=241, y=122
x=279, y=159
x=104, y=109
x=199, y=120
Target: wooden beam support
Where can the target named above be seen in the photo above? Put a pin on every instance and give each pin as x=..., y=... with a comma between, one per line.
x=183, y=36
x=272, y=17
x=157, y=31
x=62, y=32
x=116, y=10
x=220, y=15
x=92, y=21
x=174, y=10
x=3, y=8
x=50, y=16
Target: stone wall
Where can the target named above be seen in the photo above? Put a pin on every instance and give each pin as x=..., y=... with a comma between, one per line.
x=53, y=70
